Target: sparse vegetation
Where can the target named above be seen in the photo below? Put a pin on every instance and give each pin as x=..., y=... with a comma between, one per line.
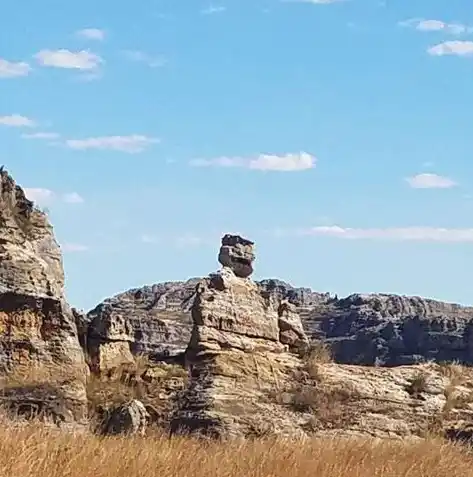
x=317, y=352
x=457, y=373
x=150, y=383
x=418, y=385
x=35, y=451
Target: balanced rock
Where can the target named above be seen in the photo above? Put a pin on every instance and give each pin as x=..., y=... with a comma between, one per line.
x=237, y=254
x=236, y=360
x=42, y=367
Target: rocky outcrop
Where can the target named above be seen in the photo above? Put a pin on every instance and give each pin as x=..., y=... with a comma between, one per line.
x=42, y=366
x=159, y=321
x=236, y=358
x=377, y=329
x=398, y=402
x=130, y=418
x=291, y=331
x=153, y=321
x=390, y=330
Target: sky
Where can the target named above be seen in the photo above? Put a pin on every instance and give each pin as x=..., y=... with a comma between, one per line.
x=335, y=134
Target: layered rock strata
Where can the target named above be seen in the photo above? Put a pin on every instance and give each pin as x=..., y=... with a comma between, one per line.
x=376, y=329
x=42, y=366
x=236, y=357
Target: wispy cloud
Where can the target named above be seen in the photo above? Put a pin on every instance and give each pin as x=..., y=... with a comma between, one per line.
x=41, y=135
x=73, y=198
x=437, y=26
x=456, y=47
x=91, y=34
x=80, y=60
x=131, y=144
x=153, y=61
x=213, y=9
x=430, y=181
x=10, y=69
x=39, y=196
x=413, y=234
x=74, y=247
x=44, y=197
x=263, y=162
x=16, y=120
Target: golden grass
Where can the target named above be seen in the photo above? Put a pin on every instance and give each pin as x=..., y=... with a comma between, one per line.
x=35, y=451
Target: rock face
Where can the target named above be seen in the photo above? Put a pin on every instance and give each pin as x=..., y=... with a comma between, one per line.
x=236, y=358
x=38, y=334
x=381, y=329
x=393, y=330
x=291, y=331
x=154, y=321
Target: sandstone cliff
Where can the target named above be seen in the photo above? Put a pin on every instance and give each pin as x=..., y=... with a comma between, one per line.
x=42, y=366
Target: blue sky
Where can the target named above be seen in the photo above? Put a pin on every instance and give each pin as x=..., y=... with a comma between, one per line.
x=337, y=135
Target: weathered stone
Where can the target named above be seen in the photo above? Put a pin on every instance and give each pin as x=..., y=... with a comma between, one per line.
x=236, y=359
x=291, y=332
x=153, y=321
x=130, y=418
x=238, y=254
x=393, y=330
x=37, y=328
x=379, y=329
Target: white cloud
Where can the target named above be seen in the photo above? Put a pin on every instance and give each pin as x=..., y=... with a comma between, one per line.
x=91, y=34
x=73, y=198
x=74, y=247
x=39, y=196
x=16, y=120
x=437, y=25
x=142, y=57
x=131, y=144
x=41, y=135
x=456, y=47
x=45, y=197
x=430, y=181
x=213, y=9
x=415, y=234
x=264, y=162
x=10, y=69
x=80, y=60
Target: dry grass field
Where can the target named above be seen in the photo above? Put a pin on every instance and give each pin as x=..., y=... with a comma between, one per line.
x=35, y=451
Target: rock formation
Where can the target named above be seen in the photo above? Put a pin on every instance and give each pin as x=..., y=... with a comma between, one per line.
x=130, y=418
x=237, y=254
x=235, y=354
x=42, y=366
x=381, y=329
x=153, y=321
x=393, y=330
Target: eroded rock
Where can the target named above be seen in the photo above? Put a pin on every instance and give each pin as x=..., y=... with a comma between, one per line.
x=130, y=418
x=237, y=254
x=236, y=360
x=291, y=331
x=40, y=353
